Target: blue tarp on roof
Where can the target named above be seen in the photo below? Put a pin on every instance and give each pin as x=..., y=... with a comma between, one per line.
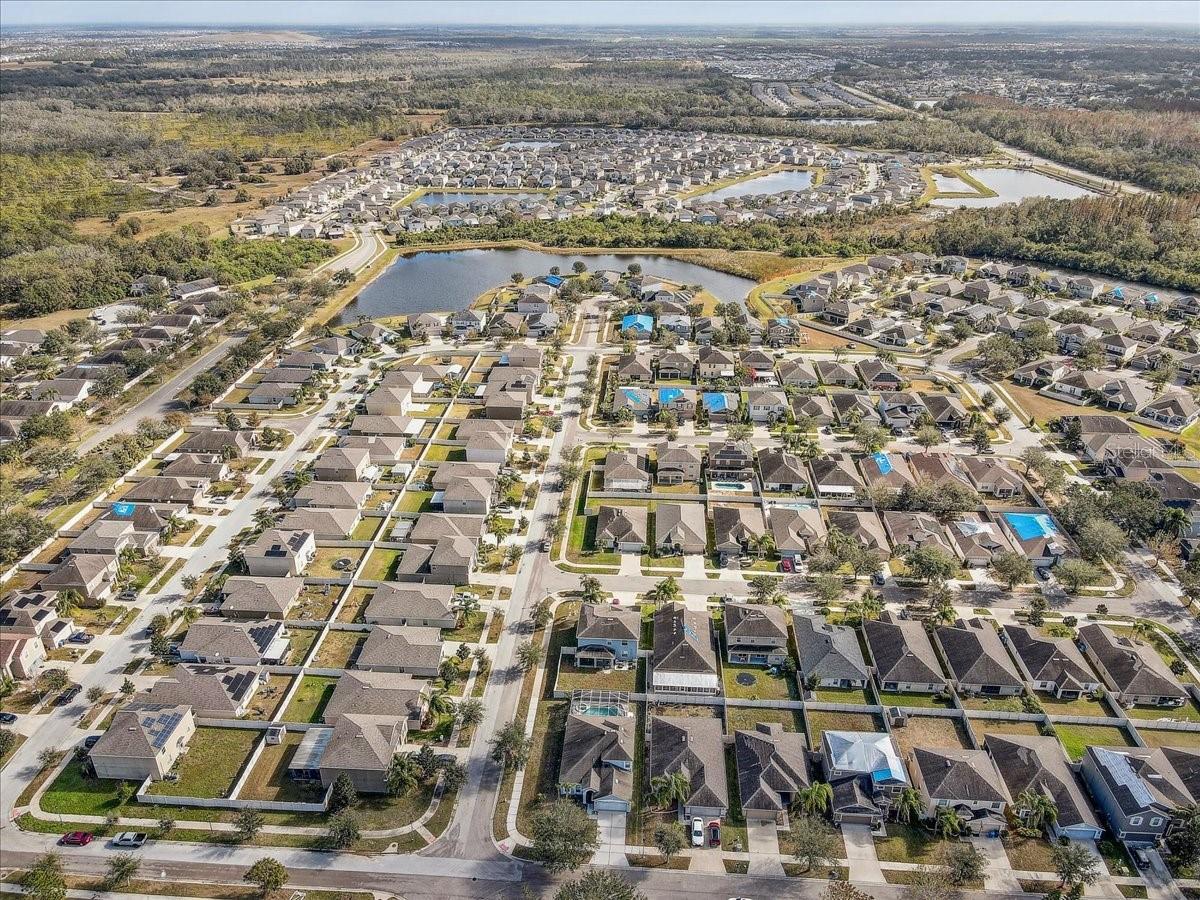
x=884, y=463
x=1118, y=293
x=638, y=322
x=123, y=510
x=669, y=395
x=716, y=402
x=554, y=280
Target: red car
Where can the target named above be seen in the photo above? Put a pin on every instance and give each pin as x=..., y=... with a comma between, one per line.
x=786, y=565
x=76, y=838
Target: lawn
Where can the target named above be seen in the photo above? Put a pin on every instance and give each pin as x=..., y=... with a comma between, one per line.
x=268, y=698
x=1084, y=706
x=1077, y=738
x=322, y=564
x=1157, y=737
x=338, y=648
x=18, y=740
x=928, y=731
x=355, y=605
x=581, y=542
x=309, y=701
x=908, y=844
x=212, y=763
x=469, y=632
x=1186, y=713
x=1041, y=408
x=573, y=678
x=269, y=780
x=763, y=686
x=860, y=696
x=928, y=701
x=1001, y=726
x=993, y=704
x=820, y=721
x=541, y=772
x=380, y=565
x=1029, y=854
x=366, y=528
x=444, y=453
x=316, y=602
x=744, y=718
x=416, y=501
x=302, y=640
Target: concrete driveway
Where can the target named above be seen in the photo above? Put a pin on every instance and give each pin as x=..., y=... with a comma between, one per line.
x=763, y=838
x=693, y=565
x=631, y=565
x=860, y=854
x=611, y=831
x=998, y=874
x=1160, y=885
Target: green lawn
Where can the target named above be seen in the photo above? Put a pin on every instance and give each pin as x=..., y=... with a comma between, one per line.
x=1186, y=713
x=993, y=704
x=302, y=640
x=322, y=564
x=982, y=727
x=470, y=631
x=908, y=844
x=744, y=718
x=860, y=696
x=366, y=528
x=573, y=678
x=211, y=765
x=898, y=698
x=1084, y=706
x=380, y=565
x=764, y=687
x=338, y=648
x=444, y=453
x=1157, y=737
x=415, y=501
x=269, y=780
x=309, y=701
x=820, y=721
x=1029, y=854
x=1077, y=738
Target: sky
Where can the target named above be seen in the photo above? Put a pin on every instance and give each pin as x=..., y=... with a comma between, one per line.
x=399, y=13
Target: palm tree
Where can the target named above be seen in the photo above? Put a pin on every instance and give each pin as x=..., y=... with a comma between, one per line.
x=403, y=774
x=441, y=703
x=1175, y=521
x=869, y=606
x=1035, y=808
x=66, y=602
x=908, y=805
x=948, y=823
x=673, y=787
x=191, y=613
x=815, y=799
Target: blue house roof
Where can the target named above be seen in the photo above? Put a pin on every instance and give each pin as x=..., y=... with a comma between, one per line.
x=638, y=322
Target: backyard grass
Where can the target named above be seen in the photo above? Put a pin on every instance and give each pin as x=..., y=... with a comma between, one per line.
x=269, y=697
x=444, y=453
x=354, y=606
x=1186, y=713
x=1084, y=706
x=764, y=686
x=366, y=528
x=316, y=602
x=302, y=640
x=927, y=701
x=993, y=704
x=269, y=780
x=309, y=701
x=744, y=718
x=1077, y=738
x=982, y=727
x=470, y=631
x=211, y=765
x=415, y=501
x=860, y=696
x=820, y=721
x=908, y=844
x=338, y=648
x=1157, y=737
x=928, y=731
x=380, y=565
x=573, y=678
x=322, y=564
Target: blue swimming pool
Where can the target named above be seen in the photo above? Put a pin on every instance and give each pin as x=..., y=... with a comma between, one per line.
x=600, y=711
x=1031, y=525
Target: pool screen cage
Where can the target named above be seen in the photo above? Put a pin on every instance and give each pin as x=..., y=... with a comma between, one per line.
x=600, y=703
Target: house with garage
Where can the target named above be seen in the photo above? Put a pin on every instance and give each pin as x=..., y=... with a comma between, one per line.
x=799, y=531
x=144, y=740
x=1133, y=672
x=902, y=656
x=420, y=605
x=977, y=540
x=772, y=770
x=259, y=597
x=1050, y=664
x=279, y=553
x=782, y=472
x=835, y=477
x=626, y=471
x=721, y=407
x=992, y=477
x=676, y=366
x=865, y=771
x=836, y=374
x=217, y=641
x=684, y=658
x=677, y=463
x=863, y=527
x=713, y=362
x=977, y=659
x=828, y=655
x=213, y=692
x=624, y=529
x=1037, y=764
x=404, y=649
x=730, y=461
x=695, y=747
x=878, y=375
x=909, y=531
x=966, y=781
x=738, y=530
x=607, y=637
x=755, y=634
x=379, y=694
x=796, y=373
x=1138, y=791
x=358, y=746
x=635, y=368
x=680, y=528
x=596, y=763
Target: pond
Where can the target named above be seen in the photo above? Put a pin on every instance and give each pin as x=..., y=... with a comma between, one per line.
x=1012, y=186
x=441, y=281
x=950, y=184
x=437, y=198
x=773, y=183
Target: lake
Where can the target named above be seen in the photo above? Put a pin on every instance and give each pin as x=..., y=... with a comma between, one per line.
x=772, y=183
x=951, y=184
x=434, y=281
x=437, y=198
x=842, y=121
x=1014, y=185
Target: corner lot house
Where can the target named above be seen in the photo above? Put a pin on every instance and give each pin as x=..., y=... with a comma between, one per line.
x=1138, y=791
x=144, y=740
x=1132, y=670
x=684, y=660
x=772, y=769
x=625, y=529
x=695, y=747
x=755, y=634
x=596, y=765
x=607, y=636
x=361, y=747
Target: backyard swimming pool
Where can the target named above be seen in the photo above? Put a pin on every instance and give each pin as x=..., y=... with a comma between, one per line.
x=1031, y=525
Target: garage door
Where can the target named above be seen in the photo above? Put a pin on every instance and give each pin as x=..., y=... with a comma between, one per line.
x=610, y=805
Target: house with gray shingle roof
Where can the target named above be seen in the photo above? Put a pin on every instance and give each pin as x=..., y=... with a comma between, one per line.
x=695, y=747
x=755, y=634
x=684, y=659
x=1037, y=763
x=829, y=655
x=144, y=740
x=1132, y=669
x=964, y=780
x=772, y=769
x=408, y=649
x=976, y=656
x=1050, y=664
x=902, y=655
x=596, y=764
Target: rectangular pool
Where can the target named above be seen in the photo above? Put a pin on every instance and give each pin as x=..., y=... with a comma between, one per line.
x=1031, y=525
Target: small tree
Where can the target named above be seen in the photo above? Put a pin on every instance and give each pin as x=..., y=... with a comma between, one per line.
x=1075, y=573
x=249, y=823
x=127, y=688
x=964, y=863
x=511, y=746
x=1012, y=568
x=669, y=839
x=343, y=794
x=121, y=870
x=44, y=880
x=844, y=890
x=1075, y=865
x=600, y=885
x=530, y=655
x=813, y=841
x=469, y=713
x=267, y=874
x=929, y=883
x=343, y=831
x=94, y=694
x=564, y=838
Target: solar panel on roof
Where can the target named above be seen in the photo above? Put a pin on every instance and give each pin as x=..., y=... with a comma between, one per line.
x=1123, y=774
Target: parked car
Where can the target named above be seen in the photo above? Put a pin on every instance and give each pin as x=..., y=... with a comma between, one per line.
x=697, y=831
x=714, y=833
x=129, y=839
x=786, y=565
x=546, y=546
x=90, y=741
x=7, y=718
x=878, y=580
x=81, y=637
x=68, y=695
x=1142, y=858
x=1043, y=573
x=76, y=839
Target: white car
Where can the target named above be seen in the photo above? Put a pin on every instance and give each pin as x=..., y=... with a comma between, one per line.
x=697, y=831
x=129, y=839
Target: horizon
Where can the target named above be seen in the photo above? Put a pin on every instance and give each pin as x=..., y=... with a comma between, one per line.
x=617, y=14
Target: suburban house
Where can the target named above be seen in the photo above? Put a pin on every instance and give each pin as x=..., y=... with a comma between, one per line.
x=966, y=781
x=977, y=659
x=407, y=649
x=1132, y=670
x=359, y=746
x=798, y=531
x=864, y=770
x=902, y=656
x=730, y=461
x=755, y=634
x=144, y=740
x=596, y=764
x=213, y=692
x=676, y=464
x=861, y=526
x=737, y=530
x=1137, y=790
x=1050, y=664
x=217, y=641
x=622, y=528
x=680, y=528
x=626, y=472
x=379, y=694
x=713, y=362
x=772, y=769
x=992, y=477
x=782, y=471
x=835, y=477
x=419, y=605
x=695, y=747
x=829, y=655
x=342, y=464
x=1036, y=763
x=684, y=658
x=280, y=553
x=607, y=637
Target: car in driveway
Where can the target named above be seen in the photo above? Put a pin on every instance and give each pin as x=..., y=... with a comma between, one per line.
x=91, y=740
x=81, y=637
x=786, y=564
x=7, y=718
x=76, y=839
x=132, y=839
x=697, y=831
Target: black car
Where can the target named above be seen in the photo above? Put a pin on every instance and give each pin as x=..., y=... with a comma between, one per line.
x=68, y=695
x=90, y=741
x=7, y=718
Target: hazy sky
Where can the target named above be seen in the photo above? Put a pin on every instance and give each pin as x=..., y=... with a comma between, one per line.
x=351, y=13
